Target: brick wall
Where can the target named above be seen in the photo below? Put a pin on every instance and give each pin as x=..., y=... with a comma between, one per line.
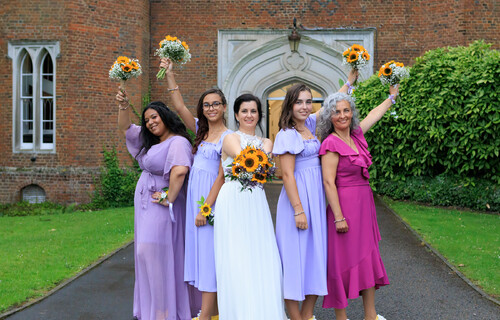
x=93, y=33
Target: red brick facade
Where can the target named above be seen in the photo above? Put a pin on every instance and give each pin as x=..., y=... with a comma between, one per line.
x=93, y=33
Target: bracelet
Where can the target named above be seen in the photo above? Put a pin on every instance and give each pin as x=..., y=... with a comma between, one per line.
x=340, y=220
x=298, y=213
x=392, y=99
x=170, y=90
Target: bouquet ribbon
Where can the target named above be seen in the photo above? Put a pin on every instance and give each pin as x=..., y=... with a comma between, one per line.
x=171, y=211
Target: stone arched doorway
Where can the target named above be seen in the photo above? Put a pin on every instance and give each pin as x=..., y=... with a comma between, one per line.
x=259, y=62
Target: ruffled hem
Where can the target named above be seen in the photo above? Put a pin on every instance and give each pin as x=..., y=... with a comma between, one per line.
x=369, y=273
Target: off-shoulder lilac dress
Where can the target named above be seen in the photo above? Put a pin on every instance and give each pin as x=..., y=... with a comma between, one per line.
x=199, y=267
x=160, y=291
x=303, y=252
x=354, y=261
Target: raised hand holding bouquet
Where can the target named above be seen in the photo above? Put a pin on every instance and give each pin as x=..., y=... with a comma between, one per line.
x=125, y=68
x=392, y=73
x=252, y=167
x=357, y=57
x=174, y=49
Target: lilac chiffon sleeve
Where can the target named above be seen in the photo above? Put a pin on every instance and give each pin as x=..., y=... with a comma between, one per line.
x=178, y=154
x=288, y=141
x=133, y=139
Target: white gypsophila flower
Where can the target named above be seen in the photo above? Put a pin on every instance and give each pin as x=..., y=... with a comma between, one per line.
x=125, y=68
x=175, y=50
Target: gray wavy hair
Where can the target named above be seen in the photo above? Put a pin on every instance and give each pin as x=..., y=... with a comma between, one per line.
x=325, y=126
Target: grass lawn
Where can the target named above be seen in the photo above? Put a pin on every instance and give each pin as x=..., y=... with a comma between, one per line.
x=38, y=252
x=469, y=240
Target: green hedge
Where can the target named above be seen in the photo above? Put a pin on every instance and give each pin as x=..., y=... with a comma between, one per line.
x=443, y=190
x=448, y=117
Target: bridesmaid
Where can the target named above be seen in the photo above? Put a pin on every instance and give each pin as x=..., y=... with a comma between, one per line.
x=205, y=180
x=354, y=263
x=162, y=147
x=300, y=220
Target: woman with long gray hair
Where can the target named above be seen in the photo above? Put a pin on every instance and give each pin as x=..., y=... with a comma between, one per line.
x=354, y=263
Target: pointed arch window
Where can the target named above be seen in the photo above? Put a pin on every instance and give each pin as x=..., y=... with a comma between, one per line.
x=34, y=96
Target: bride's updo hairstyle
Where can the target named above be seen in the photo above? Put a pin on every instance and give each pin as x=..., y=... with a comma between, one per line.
x=325, y=126
x=247, y=97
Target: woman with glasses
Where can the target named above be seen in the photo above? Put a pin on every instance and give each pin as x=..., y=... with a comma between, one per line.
x=205, y=180
x=300, y=217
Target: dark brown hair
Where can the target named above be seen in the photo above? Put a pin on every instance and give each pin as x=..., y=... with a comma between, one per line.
x=202, y=131
x=292, y=95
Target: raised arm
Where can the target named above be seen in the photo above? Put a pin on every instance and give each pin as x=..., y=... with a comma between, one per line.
x=175, y=93
x=329, y=164
x=351, y=78
x=378, y=112
x=124, y=121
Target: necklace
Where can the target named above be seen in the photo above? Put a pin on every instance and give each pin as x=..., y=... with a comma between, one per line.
x=348, y=142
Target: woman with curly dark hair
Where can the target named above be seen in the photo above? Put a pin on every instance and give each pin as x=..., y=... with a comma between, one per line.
x=162, y=147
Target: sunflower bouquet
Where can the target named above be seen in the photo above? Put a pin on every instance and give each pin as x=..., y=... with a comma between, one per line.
x=252, y=167
x=206, y=211
x=174, y=49
x=356, y=56
x=393, y=72
x=125, y=68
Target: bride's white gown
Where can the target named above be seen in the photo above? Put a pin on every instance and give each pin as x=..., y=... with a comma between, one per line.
x=247, y=261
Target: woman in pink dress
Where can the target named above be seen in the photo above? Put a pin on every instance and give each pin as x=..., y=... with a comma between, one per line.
x=161, y=146
x=354, y=263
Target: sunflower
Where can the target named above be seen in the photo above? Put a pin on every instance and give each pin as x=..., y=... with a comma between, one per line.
x=387, y=71
x=250, y=163
x=261, y=156
x=205, y=209
x=122, y=59
x=399, y=64
x=259, y=177
x=169, y=38
x=357, y=48
x=134, y=65
x=366, y=56
x=184, y=44
x=127, y=68
x=353, y=57
x=346, y=53
x=236, y=170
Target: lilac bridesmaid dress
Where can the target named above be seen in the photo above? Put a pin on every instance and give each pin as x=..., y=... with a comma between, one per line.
x=303, y=252
x=159, y=292
x=354, y=261
x=199, y=267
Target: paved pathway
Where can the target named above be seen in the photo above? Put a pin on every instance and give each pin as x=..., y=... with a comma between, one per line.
x=422, y=286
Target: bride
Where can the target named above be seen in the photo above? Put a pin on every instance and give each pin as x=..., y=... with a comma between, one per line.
x=247, y=261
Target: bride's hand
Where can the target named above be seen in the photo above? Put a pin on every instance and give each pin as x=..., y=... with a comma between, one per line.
x=301, y=221
x=200, y=220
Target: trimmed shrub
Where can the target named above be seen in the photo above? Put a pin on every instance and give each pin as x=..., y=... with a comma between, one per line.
x=116, y=186
x=448, y=117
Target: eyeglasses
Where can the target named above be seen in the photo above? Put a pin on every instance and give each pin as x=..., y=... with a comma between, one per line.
x=215, y=105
